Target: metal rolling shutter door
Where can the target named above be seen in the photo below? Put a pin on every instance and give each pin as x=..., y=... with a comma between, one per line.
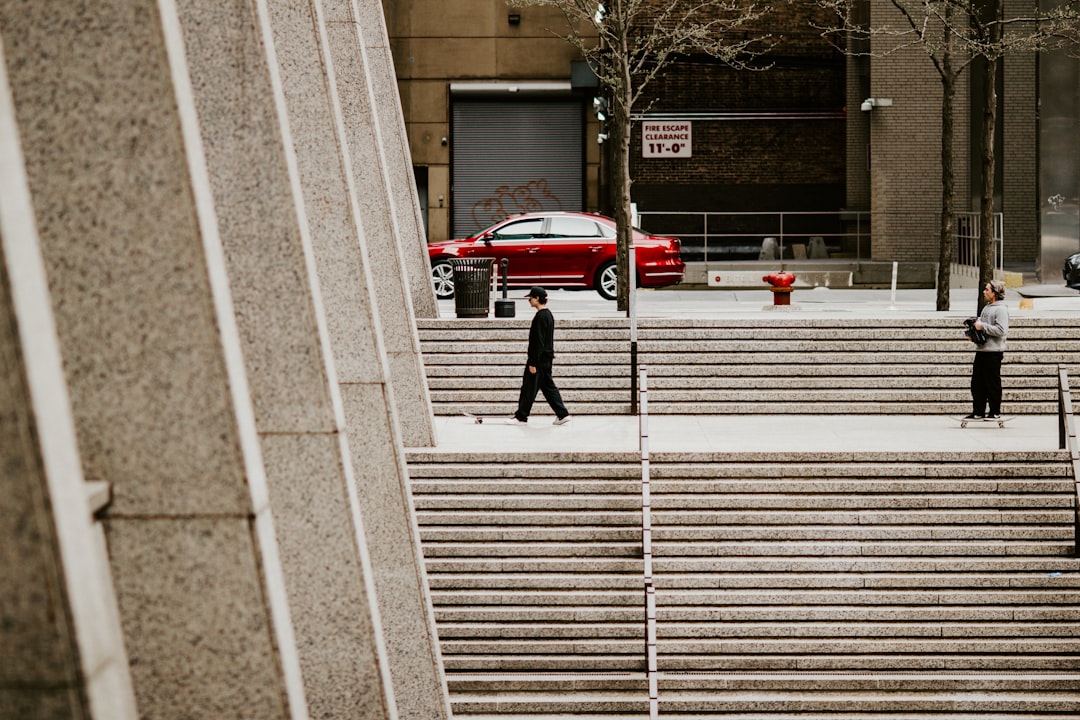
x=511, y=157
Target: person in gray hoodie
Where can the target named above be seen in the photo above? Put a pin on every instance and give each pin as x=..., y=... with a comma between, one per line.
x=986, y=370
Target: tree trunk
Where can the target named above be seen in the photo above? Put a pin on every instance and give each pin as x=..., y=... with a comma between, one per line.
x=986, y=220
x=620, y=182
x=948, y=177
x=986, y=206
x=622, y=102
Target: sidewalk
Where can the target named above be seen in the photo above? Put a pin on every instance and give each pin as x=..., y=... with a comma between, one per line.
x=1027, y=301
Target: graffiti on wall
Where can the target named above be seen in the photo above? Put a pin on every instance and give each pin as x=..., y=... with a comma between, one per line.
x=533, y=196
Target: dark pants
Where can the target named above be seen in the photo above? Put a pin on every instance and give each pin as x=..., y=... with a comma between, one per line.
x=986, y=383
x=540, y=381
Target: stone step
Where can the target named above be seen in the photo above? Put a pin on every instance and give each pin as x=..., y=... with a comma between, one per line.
x=479, y=683
x=689, y=505
x=615, y=575
x=1001, y=612
x=689, y=616
x=750, y=598
x=672, y=632
x=778, y=348
x=946, y=534
x=687, y=701
x=715, y=474
x=746, y=652
x=834, y=460
x=1038, y=360
x=624, y=659
x=446, y=388
x=557, y=548
x=549, y=517
x=669, y=375
x=1037, y=567
x=881, y=396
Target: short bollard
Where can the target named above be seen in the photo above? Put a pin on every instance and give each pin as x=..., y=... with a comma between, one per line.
x=504, y=308
x=781, y=286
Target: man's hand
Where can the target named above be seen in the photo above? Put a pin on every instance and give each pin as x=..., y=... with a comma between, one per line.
x=978, y=325
x=532, y=369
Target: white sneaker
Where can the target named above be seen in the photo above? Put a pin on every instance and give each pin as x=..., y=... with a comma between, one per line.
x=515, y=420
x=561, y=421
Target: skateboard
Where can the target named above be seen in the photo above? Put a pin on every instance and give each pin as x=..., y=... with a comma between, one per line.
x=1000, y=421
x=479, y=419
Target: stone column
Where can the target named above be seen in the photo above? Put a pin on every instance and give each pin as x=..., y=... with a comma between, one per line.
x=345, y=269
x=152, y=355
x=298, y=408
x=397, y=156
x=64, y=653
x=377, y=198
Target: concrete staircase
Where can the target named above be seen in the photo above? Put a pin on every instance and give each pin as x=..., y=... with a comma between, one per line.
x=817, y=586
x=770, y=365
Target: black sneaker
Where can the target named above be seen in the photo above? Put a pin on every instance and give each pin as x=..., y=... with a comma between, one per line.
x=974, y=417
x=992, y=417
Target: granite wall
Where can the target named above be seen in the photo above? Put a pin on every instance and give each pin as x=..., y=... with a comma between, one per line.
x=209, y=491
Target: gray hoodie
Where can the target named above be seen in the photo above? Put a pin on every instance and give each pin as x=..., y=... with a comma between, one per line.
x=995, y=323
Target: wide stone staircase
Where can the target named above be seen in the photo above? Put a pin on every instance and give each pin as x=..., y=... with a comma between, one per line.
x=768, y=365
x=788, y=585
x=817, y=586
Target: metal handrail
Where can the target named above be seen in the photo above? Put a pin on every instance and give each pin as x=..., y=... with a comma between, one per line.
x=1067, y=441
x=646, y=547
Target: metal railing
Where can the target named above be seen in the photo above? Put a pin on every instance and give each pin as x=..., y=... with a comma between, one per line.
x=724, y=236
x=966, y=231
x=1067, y=441
x=651, y=663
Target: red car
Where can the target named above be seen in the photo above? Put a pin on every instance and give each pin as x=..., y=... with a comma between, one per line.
x=559, y=250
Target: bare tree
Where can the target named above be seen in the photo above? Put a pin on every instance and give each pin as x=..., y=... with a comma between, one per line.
x=955, y=34
x=628, y=43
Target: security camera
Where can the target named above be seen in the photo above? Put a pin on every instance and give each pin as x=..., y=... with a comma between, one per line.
x=870, y=103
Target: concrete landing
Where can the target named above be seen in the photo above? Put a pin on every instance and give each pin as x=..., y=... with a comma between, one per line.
x=748, y=433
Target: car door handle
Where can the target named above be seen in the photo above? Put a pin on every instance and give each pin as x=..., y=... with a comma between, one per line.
x=596, y=248
x=533, y=250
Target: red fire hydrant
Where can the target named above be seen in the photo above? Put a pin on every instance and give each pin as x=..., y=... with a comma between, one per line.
x=781, y=286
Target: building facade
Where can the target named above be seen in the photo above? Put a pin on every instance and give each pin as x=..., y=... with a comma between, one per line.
x=498, y=110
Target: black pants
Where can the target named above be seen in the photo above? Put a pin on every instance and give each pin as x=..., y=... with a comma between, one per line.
x=986, y=383
x=540, y=381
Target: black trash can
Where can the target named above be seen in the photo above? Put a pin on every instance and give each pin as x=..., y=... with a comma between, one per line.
x=472, y=286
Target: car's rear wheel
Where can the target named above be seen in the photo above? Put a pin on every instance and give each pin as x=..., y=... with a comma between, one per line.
x=442, y=276
x=607, y=281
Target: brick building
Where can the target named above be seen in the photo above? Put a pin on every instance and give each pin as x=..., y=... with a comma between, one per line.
x=499, y=114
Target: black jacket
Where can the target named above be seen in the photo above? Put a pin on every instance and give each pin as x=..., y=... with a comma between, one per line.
x=542, y=338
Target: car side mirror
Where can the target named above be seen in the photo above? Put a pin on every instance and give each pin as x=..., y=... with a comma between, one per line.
x=486, y=237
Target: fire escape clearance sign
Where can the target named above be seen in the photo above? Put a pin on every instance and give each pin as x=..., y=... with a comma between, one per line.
x=665, y=138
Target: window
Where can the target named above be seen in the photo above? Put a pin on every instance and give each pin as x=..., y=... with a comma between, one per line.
x=573, y=227
x=523, y=230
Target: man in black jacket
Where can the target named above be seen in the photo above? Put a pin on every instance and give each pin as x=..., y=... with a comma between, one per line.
x=538, y=365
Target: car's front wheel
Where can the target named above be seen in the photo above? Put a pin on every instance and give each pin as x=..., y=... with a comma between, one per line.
x=442, y=276
x=607, y=281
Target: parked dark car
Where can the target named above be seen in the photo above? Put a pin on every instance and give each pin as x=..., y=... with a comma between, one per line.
x=559, y=250
x=1071, y=271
